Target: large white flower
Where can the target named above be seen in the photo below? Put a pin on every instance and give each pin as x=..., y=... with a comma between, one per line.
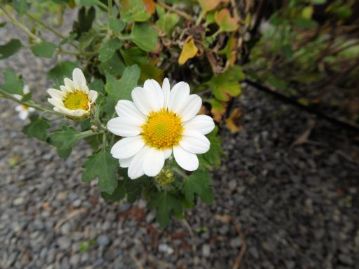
x=23, y=110
x=74, y=99
x=158, y=122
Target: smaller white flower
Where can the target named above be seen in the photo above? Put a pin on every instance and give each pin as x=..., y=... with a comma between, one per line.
x=74, y=99
x=24, y=111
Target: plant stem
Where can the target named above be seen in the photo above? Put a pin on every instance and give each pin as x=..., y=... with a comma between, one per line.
x=29, y=104
x=200, y=17
x=174, y=10
x=21, y=26
x=180, y=172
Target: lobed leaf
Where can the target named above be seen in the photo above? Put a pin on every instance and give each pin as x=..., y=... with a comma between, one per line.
x=37, y=128
x=225, y=21
x=199, y=183
x=122, y=88
x=64, y=140
x=101, y=165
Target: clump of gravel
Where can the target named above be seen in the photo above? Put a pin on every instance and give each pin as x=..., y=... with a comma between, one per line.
x=277, y=205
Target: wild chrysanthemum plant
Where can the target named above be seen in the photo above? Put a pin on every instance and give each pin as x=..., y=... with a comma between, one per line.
x=149, y=140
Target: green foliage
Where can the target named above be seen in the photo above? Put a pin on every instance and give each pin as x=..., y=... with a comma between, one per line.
x=10, y=48
x=60, y=71
x=226, y=85
x=199, y=183
x=64, y=139
x=167, y=21
x=12, y=83
x=101, y=165
x=144, y=36
x=37, y=128
x=108, y=49
x=44, y=49
x=121, y=89
x=166, y=204
x=133, y=11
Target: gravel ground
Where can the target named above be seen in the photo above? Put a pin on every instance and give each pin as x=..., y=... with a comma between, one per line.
x=278, y=205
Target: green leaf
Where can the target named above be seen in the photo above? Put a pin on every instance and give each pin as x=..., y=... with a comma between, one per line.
x=64, y=140
x=60, y=71
x=85, y=18
x=199, y=183
x=121, y=89
x=101, y=165
x=166, y=204
x=44, y=49
x=167, y=21
x=13, y=84
x=114, y=66
x=144, y=36
x=116, y=25
x=134, y=188
x=37, y=128
x=133, y=11
x=227, y=84
x=10, y=48
x=97, y=85
x=108, y=49
x=118, y=194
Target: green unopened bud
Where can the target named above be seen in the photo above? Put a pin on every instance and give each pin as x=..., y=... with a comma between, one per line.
x=165, y=177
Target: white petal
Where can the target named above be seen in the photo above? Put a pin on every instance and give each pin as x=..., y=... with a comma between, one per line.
x=123, y=127
x=55, y=102
x=135, y=170
x=191, y=108
x=125, y=163
x=154, y=92
x=141, y=101
x=195, y=142
x=153, y=162
x=166, y=88
x=23, y=114
x=127, y=109
x=78, y=78
x=26, y=89
x=178, y=96
x=69, y=84
x=93, y=96
x=201, y=123
x=188, y=161
x=55, y=93
x=127, y=147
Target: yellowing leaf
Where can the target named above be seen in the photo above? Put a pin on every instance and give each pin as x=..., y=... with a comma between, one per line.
x=232, y=122
x=208, y=5
x=189, y=50
x=218, y=109
x=225, y=21
x=150, y=6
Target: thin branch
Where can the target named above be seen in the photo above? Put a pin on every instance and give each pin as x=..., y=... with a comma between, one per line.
x=174, y=10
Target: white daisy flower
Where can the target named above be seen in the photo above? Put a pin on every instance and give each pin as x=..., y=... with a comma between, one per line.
x=24, y=111
x=74, y=99
x=159, y=122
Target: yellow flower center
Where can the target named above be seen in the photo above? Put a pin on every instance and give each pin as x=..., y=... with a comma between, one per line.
x=76, y=100
x=162, y=130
